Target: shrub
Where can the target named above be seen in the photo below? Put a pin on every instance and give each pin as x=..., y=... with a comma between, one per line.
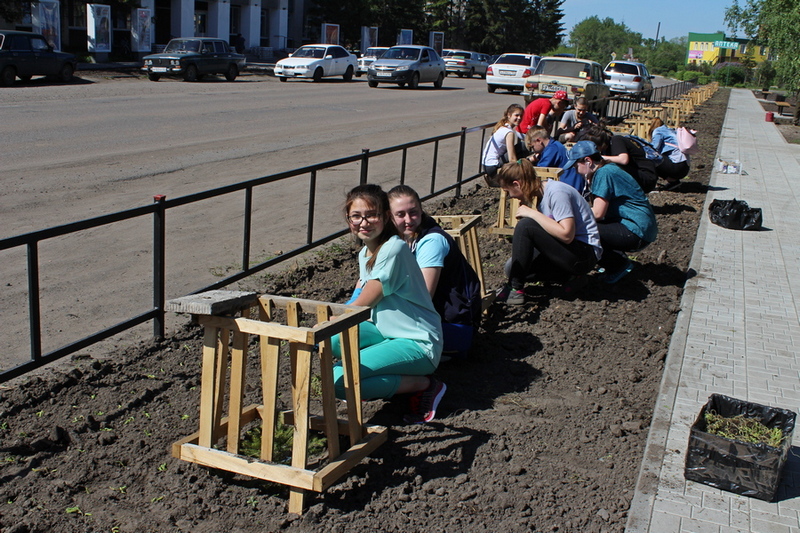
x=729, y=73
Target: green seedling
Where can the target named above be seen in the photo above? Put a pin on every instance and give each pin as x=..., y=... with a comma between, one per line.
x=184, y=417
x=250, y=445
x=743, y=429
x=156, y=499
x=99, y=413
x=162, y=467
x=148, y=433
x=128, y=420
x=40, y=414
x=252, y=502
x=151, y=376
x=77, y=510
x=121, y=489
x=3, y=425
x=316, y=386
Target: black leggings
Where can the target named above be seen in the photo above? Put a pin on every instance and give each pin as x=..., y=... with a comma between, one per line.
x=614, y=236
x=672, y=171
x=537, y=255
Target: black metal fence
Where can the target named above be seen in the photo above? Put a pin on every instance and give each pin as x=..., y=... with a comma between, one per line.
x=466, y=168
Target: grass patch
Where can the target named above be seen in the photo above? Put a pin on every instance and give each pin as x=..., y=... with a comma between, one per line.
x=743, y=429
x=250, y=445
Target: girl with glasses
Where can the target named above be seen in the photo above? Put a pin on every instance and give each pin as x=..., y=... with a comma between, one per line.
x=402, y=345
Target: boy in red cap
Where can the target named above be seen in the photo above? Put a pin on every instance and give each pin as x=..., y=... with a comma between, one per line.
x=537, y=111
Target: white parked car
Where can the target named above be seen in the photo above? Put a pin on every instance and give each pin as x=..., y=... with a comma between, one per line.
x=317, y=61
x=369, y=57
x=510, y=71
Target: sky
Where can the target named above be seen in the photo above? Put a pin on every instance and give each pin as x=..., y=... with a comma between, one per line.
x=677, y=17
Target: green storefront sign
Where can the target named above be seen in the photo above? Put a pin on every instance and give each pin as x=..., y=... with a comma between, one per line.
x=726, y=44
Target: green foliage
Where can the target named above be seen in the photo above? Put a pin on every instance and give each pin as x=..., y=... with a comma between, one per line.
x=664, y=56
x=11, y=10
x=774, y=23
x=729, y=73
x=251, y=443
x=489, y=26
x=703, y=80
x=764, y=74
x=743, y=429
x=596, y=39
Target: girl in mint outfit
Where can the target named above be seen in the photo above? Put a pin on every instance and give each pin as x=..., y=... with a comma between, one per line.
x=402, y=345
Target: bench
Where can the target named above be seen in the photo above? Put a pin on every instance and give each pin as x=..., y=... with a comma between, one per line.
x=782, y=106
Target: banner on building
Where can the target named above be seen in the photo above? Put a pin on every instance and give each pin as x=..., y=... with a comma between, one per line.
x=436, y=41
x=330, y=34
x=369, y=37
x=405, y=37
x=98, y=27
x=695, y=54
x=46, y=19
x=141, y=33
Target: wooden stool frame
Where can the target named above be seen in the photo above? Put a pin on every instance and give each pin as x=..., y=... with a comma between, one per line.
x=463, y=229
x=507, y=208
x=303, y=342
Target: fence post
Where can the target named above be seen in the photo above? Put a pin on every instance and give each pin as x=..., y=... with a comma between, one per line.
x=248, y=218
x=364, y=165
x=433, y=168
x=461, y=148
x=34, y=307
x=159, y=264
x=312, y=200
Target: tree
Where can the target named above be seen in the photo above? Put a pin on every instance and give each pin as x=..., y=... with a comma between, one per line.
x=496, y=26
x=663, y=56
x=11, y=10
x=773, y=23
x=596, y=39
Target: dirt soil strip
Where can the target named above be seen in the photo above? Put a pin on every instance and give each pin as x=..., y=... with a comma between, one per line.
x=543, y=428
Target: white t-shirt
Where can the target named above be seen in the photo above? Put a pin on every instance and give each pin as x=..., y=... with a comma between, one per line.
x=496, y=146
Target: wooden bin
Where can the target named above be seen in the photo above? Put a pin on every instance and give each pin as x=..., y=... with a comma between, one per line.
x=220, y=323
x=463, y=229
x=507, y=208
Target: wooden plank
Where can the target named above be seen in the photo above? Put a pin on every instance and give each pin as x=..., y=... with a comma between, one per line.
x=248, y=466
x=238, y=380
x=270, y=351
x=208, y=386
x=300, y=361
x=328, y=391
x=308, y=306
x=249, y=413
x=328, y=475
x=220, y=381
x=351, y=360
x=256, y=327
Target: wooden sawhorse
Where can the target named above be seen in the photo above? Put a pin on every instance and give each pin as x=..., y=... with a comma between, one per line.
x=215, y=311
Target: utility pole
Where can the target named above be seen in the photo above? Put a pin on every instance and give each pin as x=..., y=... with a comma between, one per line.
x=658, y=30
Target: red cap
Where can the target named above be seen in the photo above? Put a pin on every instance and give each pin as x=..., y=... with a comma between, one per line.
x=560, y=95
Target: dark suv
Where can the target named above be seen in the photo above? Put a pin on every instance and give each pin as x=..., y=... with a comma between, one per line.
x=24, y=55
x=191, y=58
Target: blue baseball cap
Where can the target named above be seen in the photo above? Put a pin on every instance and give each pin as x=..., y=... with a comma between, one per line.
x=579, y=151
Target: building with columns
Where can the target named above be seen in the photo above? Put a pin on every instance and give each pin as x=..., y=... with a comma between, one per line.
x=277, y=24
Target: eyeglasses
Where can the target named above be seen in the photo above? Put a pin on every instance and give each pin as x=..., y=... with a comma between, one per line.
x=358, y=218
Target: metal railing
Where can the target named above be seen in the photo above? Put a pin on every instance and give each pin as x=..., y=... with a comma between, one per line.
x=158, y=210
x=31, y=241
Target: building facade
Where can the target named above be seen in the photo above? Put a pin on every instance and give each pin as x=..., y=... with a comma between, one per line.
x=714, y=48
x=276, y=24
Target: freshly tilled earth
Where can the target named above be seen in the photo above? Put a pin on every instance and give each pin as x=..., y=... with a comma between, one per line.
x=542, y=428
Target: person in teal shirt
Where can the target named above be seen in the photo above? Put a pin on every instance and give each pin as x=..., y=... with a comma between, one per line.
x=625, y=218
x=402, y=345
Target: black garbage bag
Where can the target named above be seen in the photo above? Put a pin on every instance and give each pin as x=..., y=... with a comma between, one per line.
x=753, y=470
x=735, y=214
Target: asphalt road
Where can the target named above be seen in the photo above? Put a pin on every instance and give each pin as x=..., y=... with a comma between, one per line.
x=111, y=142
x=108, y=143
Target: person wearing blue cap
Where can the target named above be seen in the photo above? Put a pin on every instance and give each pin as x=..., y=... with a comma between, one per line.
x=625, y=218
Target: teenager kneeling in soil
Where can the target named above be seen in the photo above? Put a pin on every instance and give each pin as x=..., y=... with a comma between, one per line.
x=625, y=218
x=402, y=345
x=557, y=240
x=451, y=281
x=674, y=164
x=505, y=144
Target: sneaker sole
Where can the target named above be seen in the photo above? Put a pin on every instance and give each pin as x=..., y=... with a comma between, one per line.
x=438, y=398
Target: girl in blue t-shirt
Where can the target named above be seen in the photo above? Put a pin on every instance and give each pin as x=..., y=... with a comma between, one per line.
x=401, y=346
x=451, y=281
x=556, y=236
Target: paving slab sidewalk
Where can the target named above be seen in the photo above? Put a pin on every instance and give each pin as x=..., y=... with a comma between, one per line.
x=737, y=334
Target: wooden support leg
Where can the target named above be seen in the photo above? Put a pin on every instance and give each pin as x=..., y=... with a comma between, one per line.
x=220, y=380
x=352, y=380
x=270, y=349
x=238, y=380
x=208, y=387
x=328, y=392
x=301, y=385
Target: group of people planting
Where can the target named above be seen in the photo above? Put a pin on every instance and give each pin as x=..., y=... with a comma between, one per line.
x=424, y=295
